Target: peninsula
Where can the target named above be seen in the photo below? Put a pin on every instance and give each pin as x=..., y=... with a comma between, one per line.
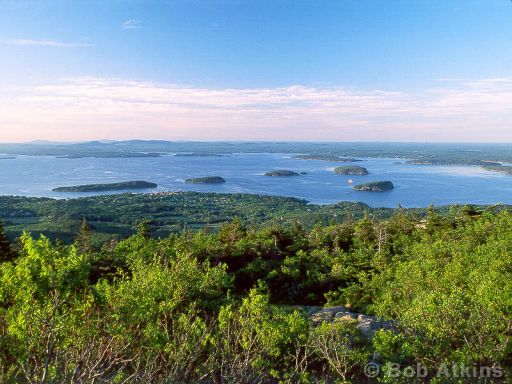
x=107, y=187
x=375, y=186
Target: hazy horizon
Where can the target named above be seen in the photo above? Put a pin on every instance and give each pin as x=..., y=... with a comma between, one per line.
x=106, y=141
x=352, y=71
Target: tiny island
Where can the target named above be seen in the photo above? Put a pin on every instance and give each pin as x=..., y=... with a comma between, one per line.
x=375, y=186
x=206, y=180
x=281, y=173
x=351, y=170
x=107, y=187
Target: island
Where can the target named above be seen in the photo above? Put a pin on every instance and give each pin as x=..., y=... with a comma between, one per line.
x=506, y=169
x=375, y=186
x=107, y=187
x=7, y=157
x=199, y=154
x=206, y=180
x=351, y=170
x=333, y=158
x=281, y=173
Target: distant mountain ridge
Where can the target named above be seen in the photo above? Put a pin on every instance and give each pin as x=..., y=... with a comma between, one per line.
x=426, y=153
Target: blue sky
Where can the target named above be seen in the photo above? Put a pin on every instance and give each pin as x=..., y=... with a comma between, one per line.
x=405, y=70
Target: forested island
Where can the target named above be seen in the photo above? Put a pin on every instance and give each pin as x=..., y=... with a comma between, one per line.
x=206, y=180
x=375, y=186
x=127, y=185
x=281, y=173
x=351, y=170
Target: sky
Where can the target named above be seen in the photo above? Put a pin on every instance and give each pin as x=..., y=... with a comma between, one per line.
x=283, y=70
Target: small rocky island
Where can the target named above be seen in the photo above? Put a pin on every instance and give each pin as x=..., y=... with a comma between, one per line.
x=281, y=173
x=375, y=186
x=206, y=180
x=107, y=187
x=351, y=170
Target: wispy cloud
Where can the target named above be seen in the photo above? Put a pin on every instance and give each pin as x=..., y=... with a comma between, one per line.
x=44, y=43
x=132, y=24
x=88, y=108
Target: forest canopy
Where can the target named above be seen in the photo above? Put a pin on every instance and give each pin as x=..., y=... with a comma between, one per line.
x=233, y=305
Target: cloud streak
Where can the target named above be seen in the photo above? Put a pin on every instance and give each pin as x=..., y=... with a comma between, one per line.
x=132, y=24
x=91, y=108
x=43, y=43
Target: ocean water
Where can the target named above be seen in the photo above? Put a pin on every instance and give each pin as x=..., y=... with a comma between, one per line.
x=415, y=185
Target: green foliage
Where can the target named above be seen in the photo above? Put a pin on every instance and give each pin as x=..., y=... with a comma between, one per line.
x=226, y=305
x=6, y=252
x=341, y=346
x=452, y=294
x=169, y=212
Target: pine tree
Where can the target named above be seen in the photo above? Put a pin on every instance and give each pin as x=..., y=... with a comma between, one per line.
x=144, y=229
x=6, y=252
x=83, y=241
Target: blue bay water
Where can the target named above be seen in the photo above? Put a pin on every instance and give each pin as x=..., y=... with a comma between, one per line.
x=415, y=185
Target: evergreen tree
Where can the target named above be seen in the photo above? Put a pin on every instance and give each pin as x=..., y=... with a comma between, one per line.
x=83, y=241
x=144, y=229
x=6, y=252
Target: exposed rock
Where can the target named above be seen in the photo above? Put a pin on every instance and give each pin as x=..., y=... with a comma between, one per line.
x=368, y=325
x=345, y=316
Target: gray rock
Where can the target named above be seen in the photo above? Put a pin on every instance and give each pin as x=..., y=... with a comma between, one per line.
x=368, y=325
x=345, y=315
x=326, y=314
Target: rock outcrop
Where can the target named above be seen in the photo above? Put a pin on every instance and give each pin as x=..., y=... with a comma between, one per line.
x=366, y=324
